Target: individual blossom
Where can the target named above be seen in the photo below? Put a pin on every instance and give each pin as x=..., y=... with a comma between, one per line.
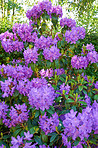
x=42, y=97
x=68, y=22
x=23, y=141
x=31, y=55
x=48, y=125
x=8, y=87
x=28, y=136
x=51, y=54
x=17, y=115
x=96, y=85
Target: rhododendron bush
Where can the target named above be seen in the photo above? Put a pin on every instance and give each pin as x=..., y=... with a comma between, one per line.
x=48, y=97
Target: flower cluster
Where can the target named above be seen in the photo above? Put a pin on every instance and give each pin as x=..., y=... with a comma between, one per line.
x=82, y=61
x=41, y=97
x=6, y=35
x=17, y=115
x=8, y=87
x=48, y=125
x=23, y=31
x=51, y=54
x=3, y=109
x=79, y=62
x=41, y=8
x=23, y=141
x=24, y=86
x=92, y=57
x=57, y=10
x=10, y=46
x=30, y=55
x=16, y=72
x=46, y=73
x=75, y=34
x=44, y=42
x=80, y=125
x=68, y=22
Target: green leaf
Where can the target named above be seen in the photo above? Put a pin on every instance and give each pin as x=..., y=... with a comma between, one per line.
x=38, y=140
x=37, y=113
x=44, y=138
x=17, y=132
x=34, y=130
x=57, y=64
x=50, y=111
x=96, y=97
x=70, y=101
x=76, y=142
x=80, y=88
x=82, y=102
x=53, y=137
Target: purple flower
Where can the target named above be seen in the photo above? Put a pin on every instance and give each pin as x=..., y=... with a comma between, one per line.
x=79, y=62
x=96, y=85
x=8, y=87
x=90, y=47
x=66, y=88
x=18, y=115
x=59, y=71
x=41, y=97
x=48, y=73
x=3, y=110
x=28, y=136
x=68, y=22
x=92, y=57
x=48, y=125
x=10, y=46
x=17, y=142
x=2, y=146
x=31, y=55
x=51, y=54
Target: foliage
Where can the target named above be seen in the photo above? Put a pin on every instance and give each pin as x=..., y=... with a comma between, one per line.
x=48, y=82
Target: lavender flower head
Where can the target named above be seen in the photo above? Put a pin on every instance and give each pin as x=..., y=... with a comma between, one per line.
x=18, y=115
x=3, y=110
x=51, y=54
x=8, y=87
x=31, y=55
x=48, y=125
x=68, y=22
x=41, y=97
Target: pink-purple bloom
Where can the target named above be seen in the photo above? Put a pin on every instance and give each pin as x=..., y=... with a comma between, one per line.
x=48, y=125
